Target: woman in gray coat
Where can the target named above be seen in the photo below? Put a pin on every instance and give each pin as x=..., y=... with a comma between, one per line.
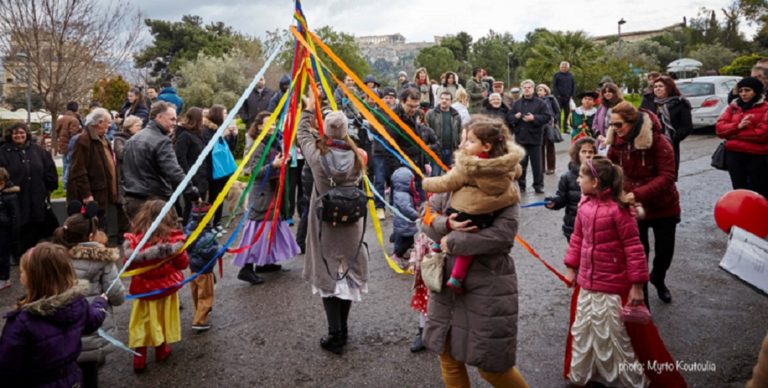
x=336, y=261
x=479, y=327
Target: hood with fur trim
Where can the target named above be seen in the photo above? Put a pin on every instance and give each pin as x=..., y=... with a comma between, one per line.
x=93, y=251
x=486, y=173
x=52, y=306
x=644, y=138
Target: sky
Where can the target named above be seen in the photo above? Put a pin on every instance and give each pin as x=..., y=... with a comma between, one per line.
x=420, y=21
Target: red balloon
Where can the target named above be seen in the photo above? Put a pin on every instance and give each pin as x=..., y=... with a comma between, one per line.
x=744, y=208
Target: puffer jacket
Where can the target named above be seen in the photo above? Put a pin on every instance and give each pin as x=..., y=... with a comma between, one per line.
x=166, y=275
x=752, y=139
x=169, y=95
x=95, y=264
x=203, y=250
x=403, y=201
x=150, y=167
x=9, y=207
x=568, y=196
x=605, y=246
x=140, y=110
x=41, y=340
x=649, y=167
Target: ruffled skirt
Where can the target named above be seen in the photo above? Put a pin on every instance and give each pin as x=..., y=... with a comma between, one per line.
x=602, y=350
x=284, y=245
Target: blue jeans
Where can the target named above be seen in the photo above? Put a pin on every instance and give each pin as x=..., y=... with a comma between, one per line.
x=65, y=172
x=446, y=156
x=383, y=168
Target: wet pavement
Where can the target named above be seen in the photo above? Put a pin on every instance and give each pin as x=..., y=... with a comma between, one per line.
x=267, y=335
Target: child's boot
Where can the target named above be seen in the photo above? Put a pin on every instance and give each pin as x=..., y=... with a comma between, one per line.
x=140, y=360
x=417, y=345
x=162, y=352
x=455, y=285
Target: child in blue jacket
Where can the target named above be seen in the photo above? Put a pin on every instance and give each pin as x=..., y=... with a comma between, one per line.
x=202, y=251
x=406, y=200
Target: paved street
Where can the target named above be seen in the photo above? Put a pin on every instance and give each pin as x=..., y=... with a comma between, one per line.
x=267, y=335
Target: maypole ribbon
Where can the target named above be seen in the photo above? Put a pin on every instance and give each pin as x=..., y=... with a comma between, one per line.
x=392, y=208
x=375, y=98
x=379, y=234
x=535, y=254
x=194, y=168
x=363, y=111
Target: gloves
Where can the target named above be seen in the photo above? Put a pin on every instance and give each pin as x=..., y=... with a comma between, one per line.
x=192, y=194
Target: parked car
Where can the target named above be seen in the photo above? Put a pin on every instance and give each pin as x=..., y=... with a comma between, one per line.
x=708, y=96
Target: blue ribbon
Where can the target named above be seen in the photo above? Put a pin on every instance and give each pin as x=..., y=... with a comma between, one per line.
x=394, y=209
x=193, y=170
x=534, y=204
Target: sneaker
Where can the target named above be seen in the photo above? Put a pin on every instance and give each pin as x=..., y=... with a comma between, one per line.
x=202, y=327
x=249, y=276
x=5, y=284
x=380, y=214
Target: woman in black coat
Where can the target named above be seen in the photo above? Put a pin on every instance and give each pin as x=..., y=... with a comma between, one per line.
x=135, y=106
x=33, y=170
x=674, y=112
x=189, y=145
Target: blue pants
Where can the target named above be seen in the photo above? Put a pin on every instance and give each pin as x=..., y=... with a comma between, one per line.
x=446, y=156
x=383, y=168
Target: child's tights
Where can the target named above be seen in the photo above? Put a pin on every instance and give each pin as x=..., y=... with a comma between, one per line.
x=460, y=267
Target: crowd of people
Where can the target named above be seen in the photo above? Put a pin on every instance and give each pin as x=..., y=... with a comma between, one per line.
x=620, y=183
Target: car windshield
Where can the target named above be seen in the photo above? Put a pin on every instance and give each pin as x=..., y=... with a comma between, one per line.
x=696, y=89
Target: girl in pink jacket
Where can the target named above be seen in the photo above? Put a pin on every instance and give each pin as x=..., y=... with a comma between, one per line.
x=606, y=259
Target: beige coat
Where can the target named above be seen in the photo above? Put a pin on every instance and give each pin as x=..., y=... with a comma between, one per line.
x=480, y=186
x=482, y=322
x=339, y=243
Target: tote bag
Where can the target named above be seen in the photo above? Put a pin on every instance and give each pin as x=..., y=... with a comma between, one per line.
x=223, y=162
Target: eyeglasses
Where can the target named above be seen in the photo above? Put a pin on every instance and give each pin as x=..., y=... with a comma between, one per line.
x=616, y=124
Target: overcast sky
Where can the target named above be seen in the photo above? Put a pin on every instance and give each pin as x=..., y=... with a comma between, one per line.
x=419, y=21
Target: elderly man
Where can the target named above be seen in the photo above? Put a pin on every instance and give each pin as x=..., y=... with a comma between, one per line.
x=446, y=122
x=92, y=174
x=150, y=167
x=527, y=119
x=564, y=88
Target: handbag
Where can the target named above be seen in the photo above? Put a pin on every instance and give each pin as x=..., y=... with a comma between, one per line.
x=223, y=162
x=635, y=314
x=718, y=157
x=432, y=268
x=553, y=134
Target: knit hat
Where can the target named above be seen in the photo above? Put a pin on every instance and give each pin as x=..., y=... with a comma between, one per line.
x=753, y=83
x=402, y=74
x=545, y=87
x=388, y=92
x=336, y=125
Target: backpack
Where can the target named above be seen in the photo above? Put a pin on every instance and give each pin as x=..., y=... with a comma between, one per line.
x=341, y=204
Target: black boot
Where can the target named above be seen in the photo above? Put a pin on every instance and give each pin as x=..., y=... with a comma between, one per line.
x=246, y=274
x=661, y=288
x=345, y=305
x=417, y=345
x=333, y=342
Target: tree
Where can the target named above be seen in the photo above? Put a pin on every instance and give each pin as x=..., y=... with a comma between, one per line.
x=111, y=92
x=550, y=48
x=460, y=44
x=712, y=56
x=175, y=42
x=212, y=80
x=437, y=60
x=70, y=43
x=740, y=65
x=492, y=52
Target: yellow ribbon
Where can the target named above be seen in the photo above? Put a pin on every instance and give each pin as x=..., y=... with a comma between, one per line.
x=377, y=229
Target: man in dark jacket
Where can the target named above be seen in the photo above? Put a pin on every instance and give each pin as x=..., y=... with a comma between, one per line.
x=564, y=88
x=257, y=102
x=527, y=119
x=285, y=82
x=92, y=175
x=150, y=167
x=446, y=122
x=168, y=94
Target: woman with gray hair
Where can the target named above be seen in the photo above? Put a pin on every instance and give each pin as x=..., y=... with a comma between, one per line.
x=494, y=107
x=336, y=260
